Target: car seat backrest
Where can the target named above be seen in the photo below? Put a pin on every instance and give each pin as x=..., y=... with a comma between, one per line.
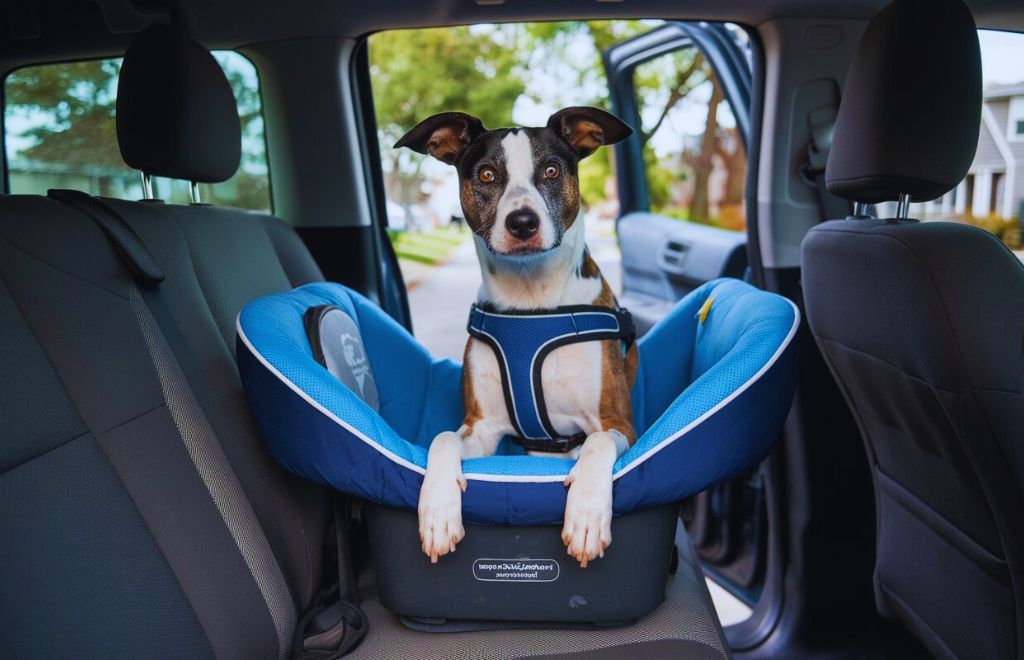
x=922, y=326
x=140, y=515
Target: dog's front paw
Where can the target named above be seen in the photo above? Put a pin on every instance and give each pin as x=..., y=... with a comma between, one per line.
x=440, y=513
x=587, y=531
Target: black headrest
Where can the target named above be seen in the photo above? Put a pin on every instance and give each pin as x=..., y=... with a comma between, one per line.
x=909, y=118
x=176, y=114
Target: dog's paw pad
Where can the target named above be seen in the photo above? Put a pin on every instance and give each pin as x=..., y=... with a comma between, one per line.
x=440, y=517
x=587, y=531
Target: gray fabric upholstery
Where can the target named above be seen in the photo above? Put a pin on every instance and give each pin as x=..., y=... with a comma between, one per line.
x=922, y=324
x=216, y=260
x=112, y=543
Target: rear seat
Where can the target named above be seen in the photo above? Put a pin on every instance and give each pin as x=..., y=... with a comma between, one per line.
x=139, y=518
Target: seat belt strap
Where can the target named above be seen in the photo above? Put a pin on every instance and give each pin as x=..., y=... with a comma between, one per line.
x=192, y=406
x=821, y=123
x=334, y=626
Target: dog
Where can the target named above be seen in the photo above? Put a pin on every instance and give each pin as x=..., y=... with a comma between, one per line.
x=519, y=190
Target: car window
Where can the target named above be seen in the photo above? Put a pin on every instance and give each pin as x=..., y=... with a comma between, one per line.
x=694, y=158
x=59, y=132
x=991, y=196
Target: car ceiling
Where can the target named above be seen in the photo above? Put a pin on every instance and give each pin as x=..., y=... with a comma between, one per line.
x=50, y=29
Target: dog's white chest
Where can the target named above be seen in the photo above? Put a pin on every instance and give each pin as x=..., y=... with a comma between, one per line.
x=571, y=376
x=571, y=380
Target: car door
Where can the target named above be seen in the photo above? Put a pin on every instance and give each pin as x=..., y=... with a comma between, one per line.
x=686, y=89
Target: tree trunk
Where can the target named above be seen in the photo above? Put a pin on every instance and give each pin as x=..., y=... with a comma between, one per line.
x=735, y=162
x=703, y=163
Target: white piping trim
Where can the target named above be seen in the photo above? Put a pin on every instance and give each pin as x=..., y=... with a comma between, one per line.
x=316, y=404
x=544, y=316
x=513, y=478
x=718, y=406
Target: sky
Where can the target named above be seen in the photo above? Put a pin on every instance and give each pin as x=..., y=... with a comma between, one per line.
x=1001, y=56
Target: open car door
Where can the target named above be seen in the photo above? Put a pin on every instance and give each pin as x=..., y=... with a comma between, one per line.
x=686, y=89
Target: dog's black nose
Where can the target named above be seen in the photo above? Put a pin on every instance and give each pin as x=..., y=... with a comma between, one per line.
x=522, y=224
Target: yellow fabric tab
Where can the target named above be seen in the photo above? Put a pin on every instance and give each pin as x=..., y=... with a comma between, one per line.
x=705, y=309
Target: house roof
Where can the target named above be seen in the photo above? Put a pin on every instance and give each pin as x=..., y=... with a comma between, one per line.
x=997, y=107
x=993, y=92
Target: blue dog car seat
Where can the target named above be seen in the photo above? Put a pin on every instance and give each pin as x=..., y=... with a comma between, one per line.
x=715, y=382
x=714, y=385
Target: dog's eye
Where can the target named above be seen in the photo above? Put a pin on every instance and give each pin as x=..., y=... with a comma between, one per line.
x=551, y=171
x=486, y=175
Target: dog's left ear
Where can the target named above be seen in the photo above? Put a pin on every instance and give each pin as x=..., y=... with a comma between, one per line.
x=586, y=129
x=443, y=136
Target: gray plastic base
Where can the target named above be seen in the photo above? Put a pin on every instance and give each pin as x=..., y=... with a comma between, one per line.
x=518, y=575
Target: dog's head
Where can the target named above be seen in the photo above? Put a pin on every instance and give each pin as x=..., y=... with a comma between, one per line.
x=519, y=186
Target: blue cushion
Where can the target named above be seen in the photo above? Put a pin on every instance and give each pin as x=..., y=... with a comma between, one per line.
x=709, y=402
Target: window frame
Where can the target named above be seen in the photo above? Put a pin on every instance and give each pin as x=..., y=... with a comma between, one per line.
x=1015, y=119
x=633, y=184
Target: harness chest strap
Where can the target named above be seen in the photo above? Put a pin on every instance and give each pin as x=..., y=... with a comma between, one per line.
x=521, y=340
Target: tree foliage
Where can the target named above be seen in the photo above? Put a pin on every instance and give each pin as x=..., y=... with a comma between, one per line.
x=421, y=72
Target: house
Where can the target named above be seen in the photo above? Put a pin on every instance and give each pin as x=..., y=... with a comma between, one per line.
x=994, y=184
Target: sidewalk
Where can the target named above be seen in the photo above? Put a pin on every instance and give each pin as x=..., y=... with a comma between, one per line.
x=439, y=300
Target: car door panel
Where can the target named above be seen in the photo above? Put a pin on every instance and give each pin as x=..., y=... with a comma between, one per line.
x=685, y=256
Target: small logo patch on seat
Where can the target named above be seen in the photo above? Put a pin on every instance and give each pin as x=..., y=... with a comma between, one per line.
x=338, y=346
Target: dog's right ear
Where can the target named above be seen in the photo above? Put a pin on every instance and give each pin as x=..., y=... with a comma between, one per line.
x=443, y=136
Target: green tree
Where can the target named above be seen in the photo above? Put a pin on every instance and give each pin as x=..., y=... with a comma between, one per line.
x=418, y=73
x=74, y=101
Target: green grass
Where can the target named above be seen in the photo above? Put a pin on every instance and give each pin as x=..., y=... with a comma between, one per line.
x=430, y=247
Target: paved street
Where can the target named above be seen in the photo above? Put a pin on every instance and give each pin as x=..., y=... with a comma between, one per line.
x=440, y=296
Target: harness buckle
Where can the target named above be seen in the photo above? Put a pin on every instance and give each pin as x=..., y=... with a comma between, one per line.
x=551, y=445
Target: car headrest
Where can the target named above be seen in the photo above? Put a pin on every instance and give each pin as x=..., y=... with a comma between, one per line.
x=909, y=118
x=176, y=114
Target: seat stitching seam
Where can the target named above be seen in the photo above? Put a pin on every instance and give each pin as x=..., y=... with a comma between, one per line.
x=45, y=262
x=63, y=443
x=916, y=379
x=100, y=435
x=195, y=274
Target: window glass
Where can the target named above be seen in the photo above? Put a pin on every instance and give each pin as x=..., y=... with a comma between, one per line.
x=991, y=196
x=696, y=164
x=60, y=133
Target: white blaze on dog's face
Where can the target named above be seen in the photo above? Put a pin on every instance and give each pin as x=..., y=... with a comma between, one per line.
x=519, y=187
